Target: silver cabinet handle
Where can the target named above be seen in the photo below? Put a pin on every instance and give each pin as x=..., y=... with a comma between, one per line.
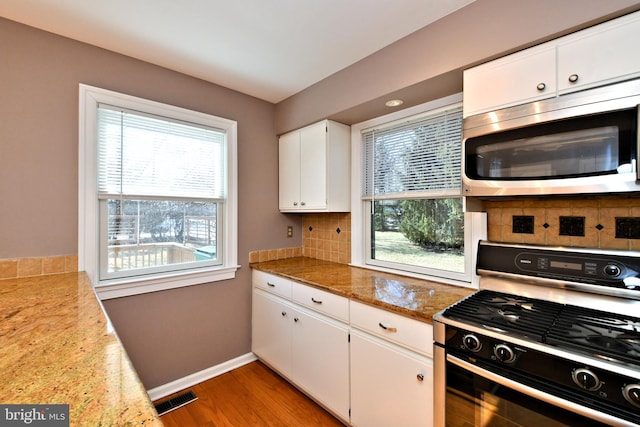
x=317, y=301
x=387, y=328
x=541, y=87
x=573, y=78
x=271, y=285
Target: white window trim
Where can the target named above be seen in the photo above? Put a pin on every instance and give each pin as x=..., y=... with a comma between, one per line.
x=477, y=220
x=88, y=239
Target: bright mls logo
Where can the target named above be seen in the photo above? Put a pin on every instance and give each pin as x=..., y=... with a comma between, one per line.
x=34, y=415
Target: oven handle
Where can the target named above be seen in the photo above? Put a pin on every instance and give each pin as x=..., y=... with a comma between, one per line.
x=540, y=395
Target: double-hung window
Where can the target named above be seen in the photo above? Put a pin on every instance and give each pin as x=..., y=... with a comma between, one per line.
x=157, y=195
x=411, y=206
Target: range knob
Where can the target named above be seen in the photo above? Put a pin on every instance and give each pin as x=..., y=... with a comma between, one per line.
x=504, y=353
x=586, y=379
x=631, y=392
x=612, y=270
x=471, y=343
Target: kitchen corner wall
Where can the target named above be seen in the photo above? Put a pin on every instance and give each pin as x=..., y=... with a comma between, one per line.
x=325, y=236
x=599, y=214
x=169, y=334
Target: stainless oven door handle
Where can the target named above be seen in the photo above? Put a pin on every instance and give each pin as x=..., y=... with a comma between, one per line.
x=540, y=395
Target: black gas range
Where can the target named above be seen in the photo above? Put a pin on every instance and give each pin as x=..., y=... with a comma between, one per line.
x=551, y=338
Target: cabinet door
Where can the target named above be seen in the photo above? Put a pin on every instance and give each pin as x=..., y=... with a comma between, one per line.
x=320, y=363
x=271, y=331
x=313, y=167
x=601, y=55
x=289, y=170
x=390, y=386
x=522, y=77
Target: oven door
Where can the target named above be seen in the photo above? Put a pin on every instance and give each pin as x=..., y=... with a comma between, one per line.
x=476, y=397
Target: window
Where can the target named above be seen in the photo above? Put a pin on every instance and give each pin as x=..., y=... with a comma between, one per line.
x=158, y=198
x=411, y=205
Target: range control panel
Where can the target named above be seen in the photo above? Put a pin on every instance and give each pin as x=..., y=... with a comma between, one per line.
x=619, y=269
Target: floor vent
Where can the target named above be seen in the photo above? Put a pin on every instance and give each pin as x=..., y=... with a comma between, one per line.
x=175, y=402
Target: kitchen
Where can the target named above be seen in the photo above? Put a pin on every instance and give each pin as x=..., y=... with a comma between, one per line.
x=41, y=163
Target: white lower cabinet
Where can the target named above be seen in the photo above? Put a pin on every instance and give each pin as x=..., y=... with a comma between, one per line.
x=310, y=349
x=272, y=321
x=390, y=386
x=368, y=366
x=320, y=363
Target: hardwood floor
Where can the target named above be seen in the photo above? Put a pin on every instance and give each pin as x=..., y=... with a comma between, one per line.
x=252, y=395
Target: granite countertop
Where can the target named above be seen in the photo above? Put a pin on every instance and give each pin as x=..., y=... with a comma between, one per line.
x=416, y=298
x=58, y=347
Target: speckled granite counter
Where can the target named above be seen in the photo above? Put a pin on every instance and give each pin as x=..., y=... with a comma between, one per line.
x=57, y=347
x=415, y=298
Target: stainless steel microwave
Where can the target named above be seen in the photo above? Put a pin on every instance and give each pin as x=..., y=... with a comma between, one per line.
x=585, y=142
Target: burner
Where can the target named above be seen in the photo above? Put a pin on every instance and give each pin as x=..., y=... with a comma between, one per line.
x=597, y=332
x=508, y=316
x=526, y=317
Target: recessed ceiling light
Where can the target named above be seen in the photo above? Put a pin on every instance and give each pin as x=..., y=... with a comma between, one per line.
x=394, y=103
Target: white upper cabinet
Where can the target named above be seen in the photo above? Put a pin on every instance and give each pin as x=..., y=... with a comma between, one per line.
x=593, y=57
x=314, y=169
x=515, y=79
x=601, y=55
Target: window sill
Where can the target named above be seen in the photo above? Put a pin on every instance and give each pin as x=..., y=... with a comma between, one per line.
x=141, y=285
x=430, y=278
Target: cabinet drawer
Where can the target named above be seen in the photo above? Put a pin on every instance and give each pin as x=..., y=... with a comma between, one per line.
x=402, y=330
x=324, y=302
x=273, y=284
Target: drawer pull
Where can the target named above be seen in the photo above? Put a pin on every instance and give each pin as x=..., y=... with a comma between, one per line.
x=386, y=328
x=317, y=301
x=284, y=313
x=271, y=285
x=295, y=319
x=420, y=377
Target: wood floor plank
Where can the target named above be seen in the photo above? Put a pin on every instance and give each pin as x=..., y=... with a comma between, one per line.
x=252, y=395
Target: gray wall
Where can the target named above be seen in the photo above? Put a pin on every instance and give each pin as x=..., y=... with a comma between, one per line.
x=167, y=334
x=428, y=64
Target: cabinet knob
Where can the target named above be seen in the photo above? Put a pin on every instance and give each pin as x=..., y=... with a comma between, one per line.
x=541, y=87
x=573, y=78
x=284, y=313
x=302, y=203
x=420, y=377
x=295, y=203
x=295, y=319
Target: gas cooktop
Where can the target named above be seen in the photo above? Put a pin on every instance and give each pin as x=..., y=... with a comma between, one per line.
x=586, y=330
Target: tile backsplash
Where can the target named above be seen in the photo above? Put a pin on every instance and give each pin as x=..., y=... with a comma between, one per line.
x=590, y=221
x=325, y=236
x=24, y=267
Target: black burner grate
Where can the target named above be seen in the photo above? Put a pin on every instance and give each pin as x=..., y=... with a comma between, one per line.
x=587, y=330
x=527, y=317
x=603, y=332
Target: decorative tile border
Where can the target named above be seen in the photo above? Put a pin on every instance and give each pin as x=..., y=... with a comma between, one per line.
x=24, y=267
x=274, y=254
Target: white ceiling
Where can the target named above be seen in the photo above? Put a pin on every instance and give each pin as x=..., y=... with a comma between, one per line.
x=270, y=49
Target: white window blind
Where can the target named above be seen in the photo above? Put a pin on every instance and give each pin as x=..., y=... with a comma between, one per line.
x=141, y=155
x=414, y=158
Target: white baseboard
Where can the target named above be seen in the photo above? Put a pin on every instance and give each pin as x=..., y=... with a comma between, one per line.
x=198, y=377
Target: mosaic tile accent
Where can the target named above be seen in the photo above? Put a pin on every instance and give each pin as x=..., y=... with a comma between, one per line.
x=599, y=213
